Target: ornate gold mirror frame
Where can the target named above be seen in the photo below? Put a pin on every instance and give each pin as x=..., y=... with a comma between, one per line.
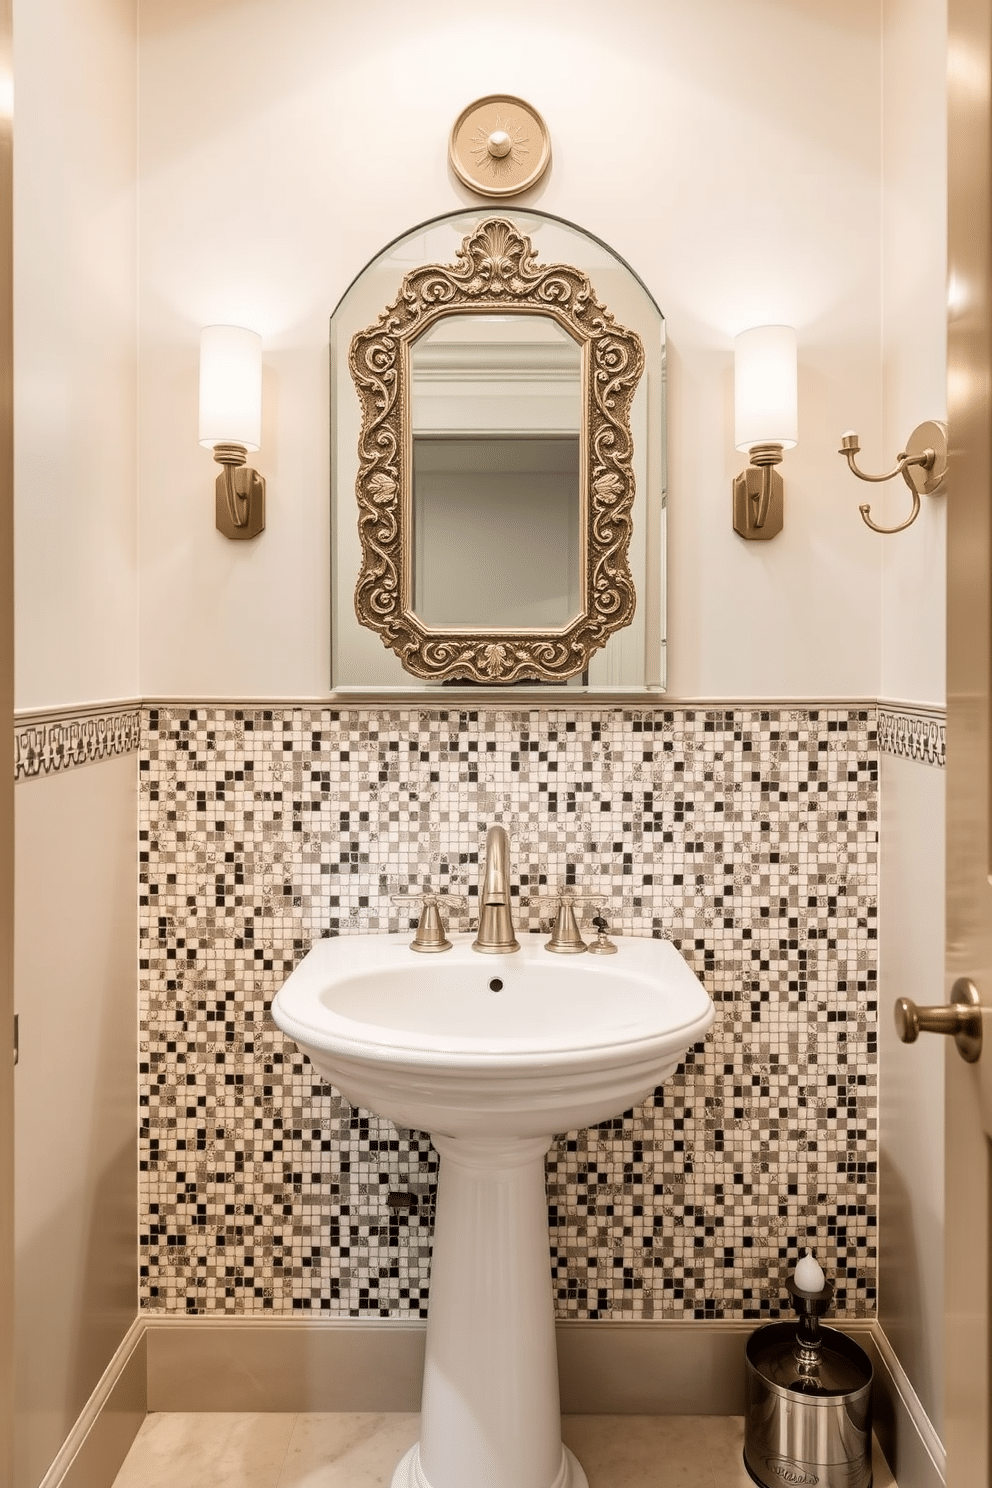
x=496, y=271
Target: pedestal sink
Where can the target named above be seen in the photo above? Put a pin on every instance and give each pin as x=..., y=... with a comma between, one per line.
x=492, y=1055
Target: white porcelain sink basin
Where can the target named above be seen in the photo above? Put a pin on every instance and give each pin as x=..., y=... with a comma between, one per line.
x=521, y=1045
x=492, y=1054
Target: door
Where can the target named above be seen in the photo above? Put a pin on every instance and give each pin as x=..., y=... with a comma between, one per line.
x=6, y=777
x=968, y=1108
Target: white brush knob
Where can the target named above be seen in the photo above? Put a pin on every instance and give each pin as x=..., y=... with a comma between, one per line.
x=809, y=1276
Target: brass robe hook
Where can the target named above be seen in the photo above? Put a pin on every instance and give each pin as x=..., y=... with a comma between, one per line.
x=922, y=465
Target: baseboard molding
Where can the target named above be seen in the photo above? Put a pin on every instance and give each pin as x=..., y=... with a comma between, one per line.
x=297, y=1365
x=605, y=1368
x=905, y=1433
x=652, y=1369
x=245, y=1364
x=92, y=1453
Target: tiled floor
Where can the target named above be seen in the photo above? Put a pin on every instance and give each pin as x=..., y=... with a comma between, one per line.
x=360, y=1451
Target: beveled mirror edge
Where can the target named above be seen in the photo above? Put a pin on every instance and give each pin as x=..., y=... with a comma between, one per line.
x=468, y=211
x=495, y=270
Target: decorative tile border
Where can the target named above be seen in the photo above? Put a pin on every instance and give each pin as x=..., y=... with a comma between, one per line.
x=58, y=743
x=913, y=734
x=746, y=835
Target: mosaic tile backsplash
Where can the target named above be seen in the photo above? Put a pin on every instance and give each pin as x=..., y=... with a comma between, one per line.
x=748, y=837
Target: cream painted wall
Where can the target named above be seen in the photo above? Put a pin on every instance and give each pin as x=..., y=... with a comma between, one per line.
x=75, y=1206
x=77, y=642
x=75, y=351
x=911, y=908
x=914, y=338
x=282, y=147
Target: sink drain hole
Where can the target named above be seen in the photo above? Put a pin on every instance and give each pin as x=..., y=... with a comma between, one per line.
x=495, y=985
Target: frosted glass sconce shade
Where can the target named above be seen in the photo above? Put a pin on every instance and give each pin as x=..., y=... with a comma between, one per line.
x=766, y=422
x=230, y=387
x=231, y=424
x=765, y=395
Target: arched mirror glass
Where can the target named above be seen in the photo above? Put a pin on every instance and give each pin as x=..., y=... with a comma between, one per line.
x=498, y=465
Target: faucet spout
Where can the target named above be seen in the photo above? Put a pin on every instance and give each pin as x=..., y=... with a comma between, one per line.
x=495, y=935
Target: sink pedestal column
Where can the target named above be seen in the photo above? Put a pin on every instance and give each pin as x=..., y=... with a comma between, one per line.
x=490, y=1414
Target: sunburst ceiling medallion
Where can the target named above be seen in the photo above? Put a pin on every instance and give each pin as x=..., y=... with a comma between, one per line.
x=499, y=145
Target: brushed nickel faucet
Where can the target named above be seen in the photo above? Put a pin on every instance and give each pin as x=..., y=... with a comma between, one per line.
x=495, y=935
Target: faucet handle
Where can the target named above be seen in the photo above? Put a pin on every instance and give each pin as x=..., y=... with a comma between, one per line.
x=420, y=896
x=565, y=937
x=553, y=897
x=590, y=902
x=431, y=936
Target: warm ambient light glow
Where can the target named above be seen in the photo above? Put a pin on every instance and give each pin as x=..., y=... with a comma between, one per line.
x=230, y=387
x=765, y=389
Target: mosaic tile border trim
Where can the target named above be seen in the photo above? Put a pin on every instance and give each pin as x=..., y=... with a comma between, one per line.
x=53, y=745
x=746, y=835
x=913, y=734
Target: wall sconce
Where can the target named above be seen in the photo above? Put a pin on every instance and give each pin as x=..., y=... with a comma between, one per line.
x=765, y=424
x=231, y=424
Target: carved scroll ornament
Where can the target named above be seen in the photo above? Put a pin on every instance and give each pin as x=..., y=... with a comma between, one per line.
x=496, y=269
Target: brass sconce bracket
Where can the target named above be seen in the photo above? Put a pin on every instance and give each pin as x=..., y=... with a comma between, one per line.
x=759, y=495
x=922, y=465
x=240, y=494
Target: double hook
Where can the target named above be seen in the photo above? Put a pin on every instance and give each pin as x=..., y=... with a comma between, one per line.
x=922, y=465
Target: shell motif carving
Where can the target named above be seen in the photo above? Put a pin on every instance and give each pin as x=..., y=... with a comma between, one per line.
x=496, y=266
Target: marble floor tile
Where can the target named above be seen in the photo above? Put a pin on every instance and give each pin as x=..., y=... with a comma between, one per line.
x=641, y=1451
x=725, y=1450
x=725, y=1444
x=346, y=1450
x=361, y=1451
x=216, y=1450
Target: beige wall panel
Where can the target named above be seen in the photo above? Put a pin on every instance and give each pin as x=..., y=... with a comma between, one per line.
x=621, y=1368
x=905, y=1439
x=911, y=1079
x=76, y=1117
x=208, y=1365
x=75, y=154
x=203, y=1364
x=111, y=1435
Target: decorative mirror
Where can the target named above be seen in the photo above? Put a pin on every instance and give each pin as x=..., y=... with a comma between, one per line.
x=503, y=529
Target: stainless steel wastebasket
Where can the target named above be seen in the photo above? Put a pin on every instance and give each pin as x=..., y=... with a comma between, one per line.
x=807, y=1421
x=799, y=1431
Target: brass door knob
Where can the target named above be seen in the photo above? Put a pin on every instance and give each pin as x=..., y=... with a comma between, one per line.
x=961, y=1017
